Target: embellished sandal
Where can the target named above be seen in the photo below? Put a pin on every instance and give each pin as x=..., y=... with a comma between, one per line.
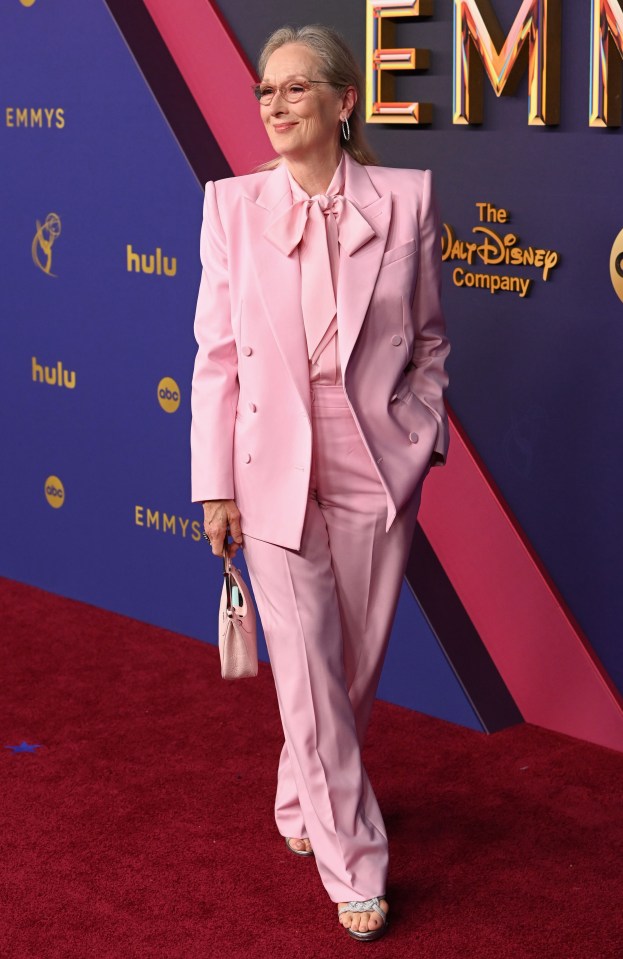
x=368, y=905
x=298, y=852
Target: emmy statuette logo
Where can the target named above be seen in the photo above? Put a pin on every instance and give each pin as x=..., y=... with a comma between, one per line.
x=616, y=265
x=46, y=235
x=168, y=394
x=54, y=492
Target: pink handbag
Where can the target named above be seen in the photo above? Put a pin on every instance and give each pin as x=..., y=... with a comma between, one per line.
x=237, y=627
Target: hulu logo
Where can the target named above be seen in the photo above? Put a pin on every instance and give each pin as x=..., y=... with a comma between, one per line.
x=53, y=375
x=154, y=263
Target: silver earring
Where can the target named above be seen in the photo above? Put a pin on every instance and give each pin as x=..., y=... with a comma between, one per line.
x=346, y=128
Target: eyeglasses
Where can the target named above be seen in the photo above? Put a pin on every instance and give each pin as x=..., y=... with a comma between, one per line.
x=292, y=92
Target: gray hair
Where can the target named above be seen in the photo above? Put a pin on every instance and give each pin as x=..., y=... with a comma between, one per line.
x=338, y=66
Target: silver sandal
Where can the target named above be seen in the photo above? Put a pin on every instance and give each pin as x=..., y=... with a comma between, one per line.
x=368, y=905
x=298, y=852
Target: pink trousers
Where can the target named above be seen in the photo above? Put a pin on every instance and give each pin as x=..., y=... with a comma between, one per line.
x=327, y=611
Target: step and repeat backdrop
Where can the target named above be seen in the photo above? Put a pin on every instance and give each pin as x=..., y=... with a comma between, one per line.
x=516, y=107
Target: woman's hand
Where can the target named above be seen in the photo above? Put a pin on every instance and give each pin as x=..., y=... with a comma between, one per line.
x=218, y=515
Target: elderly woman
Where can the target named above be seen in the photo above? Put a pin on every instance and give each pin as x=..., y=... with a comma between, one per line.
x=317, y=405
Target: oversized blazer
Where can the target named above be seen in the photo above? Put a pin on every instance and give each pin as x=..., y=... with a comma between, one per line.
x=251, y=432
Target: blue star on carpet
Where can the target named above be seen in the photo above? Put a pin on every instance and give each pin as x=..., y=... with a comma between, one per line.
x=24, y=747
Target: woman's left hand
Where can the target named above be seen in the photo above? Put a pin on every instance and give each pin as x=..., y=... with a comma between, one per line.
x=219, y=515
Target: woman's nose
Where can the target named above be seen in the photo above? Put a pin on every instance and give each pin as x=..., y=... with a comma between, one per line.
x=278, y=105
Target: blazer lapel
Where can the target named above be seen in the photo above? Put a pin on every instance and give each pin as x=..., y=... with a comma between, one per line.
x=279, y=279
x=358, y=273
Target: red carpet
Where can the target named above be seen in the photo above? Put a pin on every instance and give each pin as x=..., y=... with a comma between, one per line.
x=142, y=828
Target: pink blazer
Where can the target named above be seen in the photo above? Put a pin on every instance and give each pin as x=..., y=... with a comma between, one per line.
x=251, y=424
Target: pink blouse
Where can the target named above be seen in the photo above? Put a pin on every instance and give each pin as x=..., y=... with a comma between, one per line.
x=324, y=365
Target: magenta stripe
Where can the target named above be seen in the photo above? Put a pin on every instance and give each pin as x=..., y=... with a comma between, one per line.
x=218, y=75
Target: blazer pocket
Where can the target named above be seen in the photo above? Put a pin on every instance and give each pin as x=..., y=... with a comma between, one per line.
x=404, y=395
x=412, y=415
x=398, y=252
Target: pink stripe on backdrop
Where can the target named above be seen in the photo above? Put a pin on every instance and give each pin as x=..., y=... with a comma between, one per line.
x=218, y=75
x=547, y=663
x=542, y=655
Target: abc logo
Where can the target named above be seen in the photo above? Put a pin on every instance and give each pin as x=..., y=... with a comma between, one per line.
x=616, y=265
x=54, y=492
x=168, y=394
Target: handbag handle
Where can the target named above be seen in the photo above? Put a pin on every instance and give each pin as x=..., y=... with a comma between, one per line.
x=227, y=575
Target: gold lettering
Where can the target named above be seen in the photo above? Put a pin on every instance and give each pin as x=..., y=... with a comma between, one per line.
x=453, y=249
x=491, y=250
x=495, y=249
x=490, y=214
x=606, y=62
x=480, y=48
x=148, y=265
x=383, y=60
x=492, y=282
x=37, y=370
x=153, y=518
x=168, y=523
x=170, y=268
x=552, y=260
x=34, y=117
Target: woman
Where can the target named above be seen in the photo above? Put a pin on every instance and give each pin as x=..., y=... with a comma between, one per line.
x=317, y=402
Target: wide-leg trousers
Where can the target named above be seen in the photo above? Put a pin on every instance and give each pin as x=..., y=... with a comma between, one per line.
x=327, y=611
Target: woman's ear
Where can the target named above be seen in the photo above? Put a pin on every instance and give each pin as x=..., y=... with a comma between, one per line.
x=349, y=100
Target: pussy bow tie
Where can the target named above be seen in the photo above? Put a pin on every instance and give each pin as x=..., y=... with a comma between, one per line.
x=316, y=224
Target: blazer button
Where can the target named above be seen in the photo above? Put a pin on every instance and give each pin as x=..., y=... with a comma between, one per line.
x=247, y=458
x=413, y=437
x=396, y=340
x=247, y=350
x=252, y=407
